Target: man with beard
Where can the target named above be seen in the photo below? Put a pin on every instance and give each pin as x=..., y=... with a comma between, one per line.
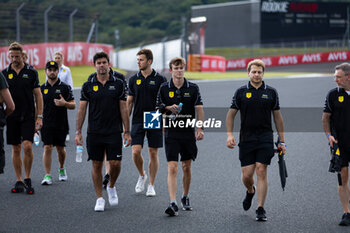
x=25, y=120
x=58, y=98
x=143, y=90
x=108, y=114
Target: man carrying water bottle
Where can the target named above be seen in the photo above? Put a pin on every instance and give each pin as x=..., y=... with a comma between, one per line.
x=58, y=97
x=181, y=101
x=105, y=95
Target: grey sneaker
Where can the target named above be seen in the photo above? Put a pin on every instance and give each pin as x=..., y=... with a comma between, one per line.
x=47, y=180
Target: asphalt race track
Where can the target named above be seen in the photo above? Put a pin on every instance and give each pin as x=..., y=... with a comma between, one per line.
x=308, y=204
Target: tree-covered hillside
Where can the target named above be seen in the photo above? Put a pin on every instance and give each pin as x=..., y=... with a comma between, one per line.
x=138, y=21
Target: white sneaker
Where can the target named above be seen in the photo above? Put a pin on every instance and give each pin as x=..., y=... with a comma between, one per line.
x=112, y=196
x=47, y=180
x=62, y=174
x=67, y=138
x=100, y=205
x=140, y=186
x=150, y=191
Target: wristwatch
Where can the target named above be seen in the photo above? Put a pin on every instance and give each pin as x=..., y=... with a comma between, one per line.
x=39, y=116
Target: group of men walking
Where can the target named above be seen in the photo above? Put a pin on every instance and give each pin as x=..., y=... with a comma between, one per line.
x=109, y=102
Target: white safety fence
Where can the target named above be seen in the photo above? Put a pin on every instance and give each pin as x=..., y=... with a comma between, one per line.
x=163, y=52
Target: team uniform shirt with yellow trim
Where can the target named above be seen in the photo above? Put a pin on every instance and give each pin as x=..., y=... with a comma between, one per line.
x=256, y=106
x=21, y=87
x=144, y=90
x=55, y=117
x=338, y=105
x=103, y=103
x=65, y=75
x=190, y=97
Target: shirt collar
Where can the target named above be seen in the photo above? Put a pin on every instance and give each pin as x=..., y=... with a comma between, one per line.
x=154, y=73
x=56, y=83
x=263, y=86
x=185, y=84
x=94, y=78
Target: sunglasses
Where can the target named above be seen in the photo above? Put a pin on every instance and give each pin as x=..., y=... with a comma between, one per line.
x=178, y=94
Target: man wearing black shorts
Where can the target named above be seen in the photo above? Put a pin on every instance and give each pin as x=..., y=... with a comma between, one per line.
x=335, y=119
x=108, y=114
x=180, y=140
x=143, y=89
x=256, y=101
x=58, y=98
x=21, y=124
x=5, y=97
x=122, y=78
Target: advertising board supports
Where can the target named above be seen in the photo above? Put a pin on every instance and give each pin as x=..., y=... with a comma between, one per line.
x=76, y=53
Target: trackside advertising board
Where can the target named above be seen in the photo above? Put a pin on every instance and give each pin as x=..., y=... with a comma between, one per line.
x=76, y=53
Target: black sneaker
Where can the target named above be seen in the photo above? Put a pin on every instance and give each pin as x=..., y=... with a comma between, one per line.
x=28, y=186
x=345, y=221
x=19, y=187
x=260, y=214
x=185, y=202
x=172, y=209
x=105, y=181
x=247, y=202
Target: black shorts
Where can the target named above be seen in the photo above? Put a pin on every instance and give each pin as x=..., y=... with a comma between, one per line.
x=187, y=148
x=17, y=131
x=345, y=156
x=97, y=145
x=154, y=136
x=55, y=137
x=249, y=153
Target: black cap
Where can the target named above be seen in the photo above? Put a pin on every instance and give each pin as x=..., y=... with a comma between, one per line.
x=51, y=64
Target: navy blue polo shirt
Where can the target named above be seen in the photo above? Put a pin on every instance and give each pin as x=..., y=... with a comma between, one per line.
x=144, y=90
x=189, y=96
x=21, y=87
x=256, y=106
x=55, y=116
x=338, y=105
x=104, y=108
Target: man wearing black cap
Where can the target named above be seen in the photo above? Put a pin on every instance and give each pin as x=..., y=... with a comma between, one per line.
x=25, y=120
x=58, y=98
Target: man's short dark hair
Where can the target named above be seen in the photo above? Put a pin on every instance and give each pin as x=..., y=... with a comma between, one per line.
x=100, y=55
x=15, y=46
x=345, y=67
x=147, y=52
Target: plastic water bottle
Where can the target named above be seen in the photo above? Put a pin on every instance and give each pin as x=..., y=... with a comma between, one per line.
x=36, y=139
x=173, y=116
x=79, y=154
x=124, y=145
x=180, y=107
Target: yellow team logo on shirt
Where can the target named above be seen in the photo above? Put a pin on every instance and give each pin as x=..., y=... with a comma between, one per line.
x=10, y=76
x=95, y=88
x=248, y=95
x=46, y=91
x=337, y=152
x=171, y=94
x=64, y=70
x=138, y=82
x=340, y=99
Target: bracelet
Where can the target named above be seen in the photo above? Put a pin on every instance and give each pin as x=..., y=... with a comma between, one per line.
x=282, y=143
x=328, y=135
x=40, y=116
x=77, y=132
